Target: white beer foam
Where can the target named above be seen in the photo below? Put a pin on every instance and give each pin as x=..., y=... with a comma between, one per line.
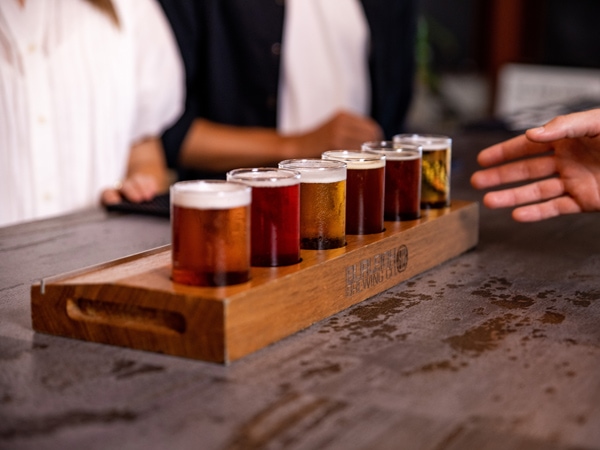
x=317, y=170
x=401, y=156
x=265, y=178
x=356, y=159
x=201, y=194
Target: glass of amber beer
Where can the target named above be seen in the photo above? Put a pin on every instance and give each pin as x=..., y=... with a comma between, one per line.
x=322, y=202
x=210, y=221
x=435, y=178
x=275, y=211
x=364, y=189
x=402, y=178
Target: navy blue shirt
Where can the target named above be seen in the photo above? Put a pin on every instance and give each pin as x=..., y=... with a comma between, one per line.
x=231, y=53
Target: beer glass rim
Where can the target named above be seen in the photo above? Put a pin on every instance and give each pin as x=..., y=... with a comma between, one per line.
x=311, y=164
x=264, y=176
x=317, y=170
x=210, y=194
x=425, y=139
x=356, y=159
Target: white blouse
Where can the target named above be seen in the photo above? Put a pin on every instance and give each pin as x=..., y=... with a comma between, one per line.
x=324, y=66
x=76, y=92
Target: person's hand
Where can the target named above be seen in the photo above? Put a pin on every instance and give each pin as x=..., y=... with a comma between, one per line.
x=562, y=159
x=137, y=188
x=146, y=174
x=343, y=131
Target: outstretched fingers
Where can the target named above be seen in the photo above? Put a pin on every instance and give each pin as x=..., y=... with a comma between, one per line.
x=552, y=208
x=530, y=193
x=512, y=149
x=575, y=125
x=528, y=169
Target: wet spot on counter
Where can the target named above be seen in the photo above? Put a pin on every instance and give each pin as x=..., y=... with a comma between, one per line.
x=45, y=425
x=480, y=311
x=371, y=319
x=515, y=302
x=581, y=420
x=280, y=420
x=552, y=317
x=585, y=299
x=437, y=367
x=484, y=337
x=126, y=368
x=492, y=288
x=546, y=294
x=328, y=369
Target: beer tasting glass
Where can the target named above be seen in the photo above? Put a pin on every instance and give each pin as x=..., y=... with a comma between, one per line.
x=435, y=179
x=210, y=221
x=275, y=211
x=322, y=202
x=402, y=179
x=364, y=189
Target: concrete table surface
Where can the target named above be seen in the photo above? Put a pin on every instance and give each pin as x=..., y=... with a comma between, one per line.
x=498, y=348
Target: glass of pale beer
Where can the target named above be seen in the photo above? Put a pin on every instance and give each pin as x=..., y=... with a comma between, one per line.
x=402, y=178
x=322, y=202
x=210, y=221
x=436, y=164
x=364, y=189
x=275, y=211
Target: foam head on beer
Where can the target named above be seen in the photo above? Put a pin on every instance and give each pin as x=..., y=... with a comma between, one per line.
x=313, y=170
x=209, y=194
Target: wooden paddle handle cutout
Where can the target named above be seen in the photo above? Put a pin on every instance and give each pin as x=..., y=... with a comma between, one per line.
x=133, y=317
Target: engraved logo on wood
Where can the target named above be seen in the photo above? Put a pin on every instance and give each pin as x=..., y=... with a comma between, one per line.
x=372, y=271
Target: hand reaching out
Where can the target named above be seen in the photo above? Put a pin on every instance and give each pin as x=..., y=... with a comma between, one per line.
x=562, y=161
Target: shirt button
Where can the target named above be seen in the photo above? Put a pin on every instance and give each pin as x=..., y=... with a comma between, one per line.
x=47, y=197
x=42, y=119
x=276, y=49
x=32, y=48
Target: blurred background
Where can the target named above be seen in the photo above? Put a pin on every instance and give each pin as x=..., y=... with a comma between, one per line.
x=507, y=64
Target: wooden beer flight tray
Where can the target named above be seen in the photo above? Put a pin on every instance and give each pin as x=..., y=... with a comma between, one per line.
x=132, y=301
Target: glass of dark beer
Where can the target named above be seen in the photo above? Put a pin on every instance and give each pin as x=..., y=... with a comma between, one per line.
x=436, y=163
x=275, y=211
x=210, y=221
x=402, y=179
x=322, y=202
x=364, y=189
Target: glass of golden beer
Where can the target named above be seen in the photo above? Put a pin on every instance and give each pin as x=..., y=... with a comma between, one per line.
x=322, y=202
x=437, y=156
x=402, y=178
x=364, y=189
x=275, y=211
x=210, y=221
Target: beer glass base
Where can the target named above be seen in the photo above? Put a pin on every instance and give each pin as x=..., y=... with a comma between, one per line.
x=402, y=216
x=278, y=262
x=363, y=232
x=209, y=279
x=320, y=243
x=435, y=205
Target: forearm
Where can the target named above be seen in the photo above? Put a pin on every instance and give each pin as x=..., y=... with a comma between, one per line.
x=147, y=158
x=219, y=148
